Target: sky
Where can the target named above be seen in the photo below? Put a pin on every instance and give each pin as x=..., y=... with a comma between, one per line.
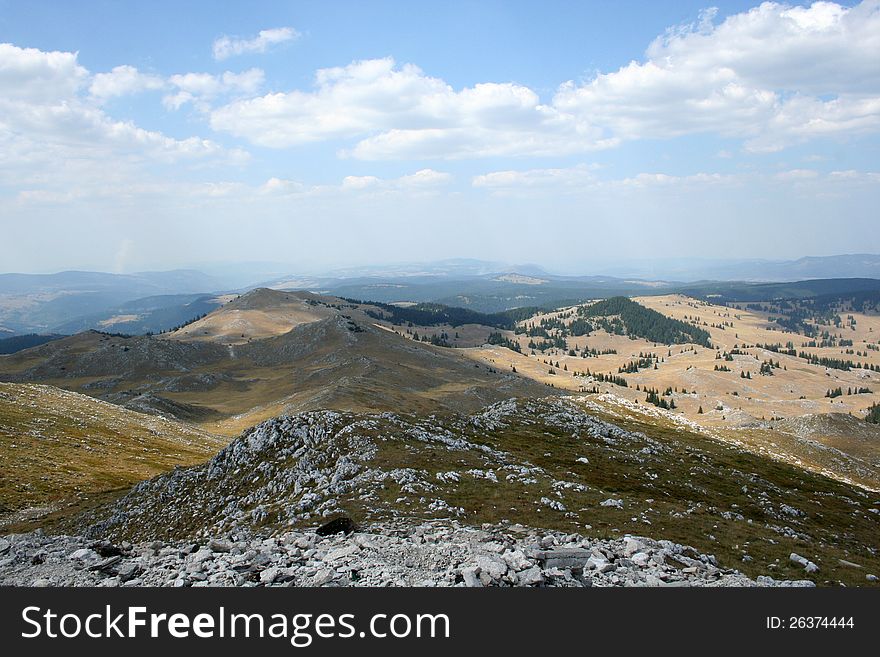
x=573, y=135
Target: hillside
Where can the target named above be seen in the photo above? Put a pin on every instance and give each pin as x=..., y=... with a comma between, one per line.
x=17, y=343
x=148, y=315
x=757, y=372
x=58, y=448
x=550, y=463
x=259, y=314
x=299, y=352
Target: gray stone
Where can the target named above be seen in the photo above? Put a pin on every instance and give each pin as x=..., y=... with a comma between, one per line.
x=128, y=571
x=631, y=546
x=641, y=559
x=807, y=565
x=342, y=552
x=570, y=558
x=530, y=577
x=493, y=567
x=599, y=564
x=106, y=564
x=84, y=554
x=516, y=560
x=216, y=545
x=471, y=576
x=202, y=555
x=269, y=575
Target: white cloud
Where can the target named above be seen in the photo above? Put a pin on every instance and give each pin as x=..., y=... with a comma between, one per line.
x=202, y=88
x=582, y=179
x=424, y=181
x=225, y=46
x=31, y=75
x=771, y=76
x=574, y=177
x=774, y=74
x=399, y=112
x=797, y=174
x=122, y=81
x=56, y=140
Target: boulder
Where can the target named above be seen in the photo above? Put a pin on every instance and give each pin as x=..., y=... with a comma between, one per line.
x=491, y=566
x=807, y=565
x=217, y=545
x=564, y=558
x=530, y=577
x=471, y=576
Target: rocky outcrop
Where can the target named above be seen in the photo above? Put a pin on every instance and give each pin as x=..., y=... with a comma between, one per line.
x=428, y=554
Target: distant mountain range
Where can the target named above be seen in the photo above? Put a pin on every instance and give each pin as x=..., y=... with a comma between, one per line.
x=860, y=265
x=72, y=301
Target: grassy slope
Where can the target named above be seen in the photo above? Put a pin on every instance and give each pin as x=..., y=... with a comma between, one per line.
x=58, y=447
x=749, y=511
x=678, y=494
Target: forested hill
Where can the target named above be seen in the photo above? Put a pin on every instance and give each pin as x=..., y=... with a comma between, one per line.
x=21, y=342
x=433, y=314
x=636, y=320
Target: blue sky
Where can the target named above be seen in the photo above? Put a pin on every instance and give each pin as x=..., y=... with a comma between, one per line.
x=571, y=134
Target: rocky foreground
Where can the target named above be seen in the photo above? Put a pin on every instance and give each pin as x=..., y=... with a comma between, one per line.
x=419, y=487
x=427, y=555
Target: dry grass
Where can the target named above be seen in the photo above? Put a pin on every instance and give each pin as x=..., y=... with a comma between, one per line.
x=733, y=408
x=58, y=448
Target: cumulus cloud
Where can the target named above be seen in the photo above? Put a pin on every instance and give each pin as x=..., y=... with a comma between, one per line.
x=774, y=74
x=771, y=76
x=122, y=81
x=573, y=177
x=424, y=181
x=400, y=112
x=56, y=137
x=226, y=46
x=35, y=76
x=202, y=88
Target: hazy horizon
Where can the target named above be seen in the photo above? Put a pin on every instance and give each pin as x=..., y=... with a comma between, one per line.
x=572, y=136
x=666, y=269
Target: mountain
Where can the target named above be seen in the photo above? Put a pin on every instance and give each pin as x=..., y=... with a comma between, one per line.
x=102, y=447
x=262, y=353
x=863, y=265
x=495, y=292
x=149, y=315
x=827, y=289
x=342, y=408
x=41, y=302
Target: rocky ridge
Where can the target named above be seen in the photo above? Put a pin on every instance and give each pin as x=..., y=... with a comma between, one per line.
x=550, y=463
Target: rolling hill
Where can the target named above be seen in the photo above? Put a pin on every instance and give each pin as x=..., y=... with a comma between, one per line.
x=264, y=353
x=59, y=448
